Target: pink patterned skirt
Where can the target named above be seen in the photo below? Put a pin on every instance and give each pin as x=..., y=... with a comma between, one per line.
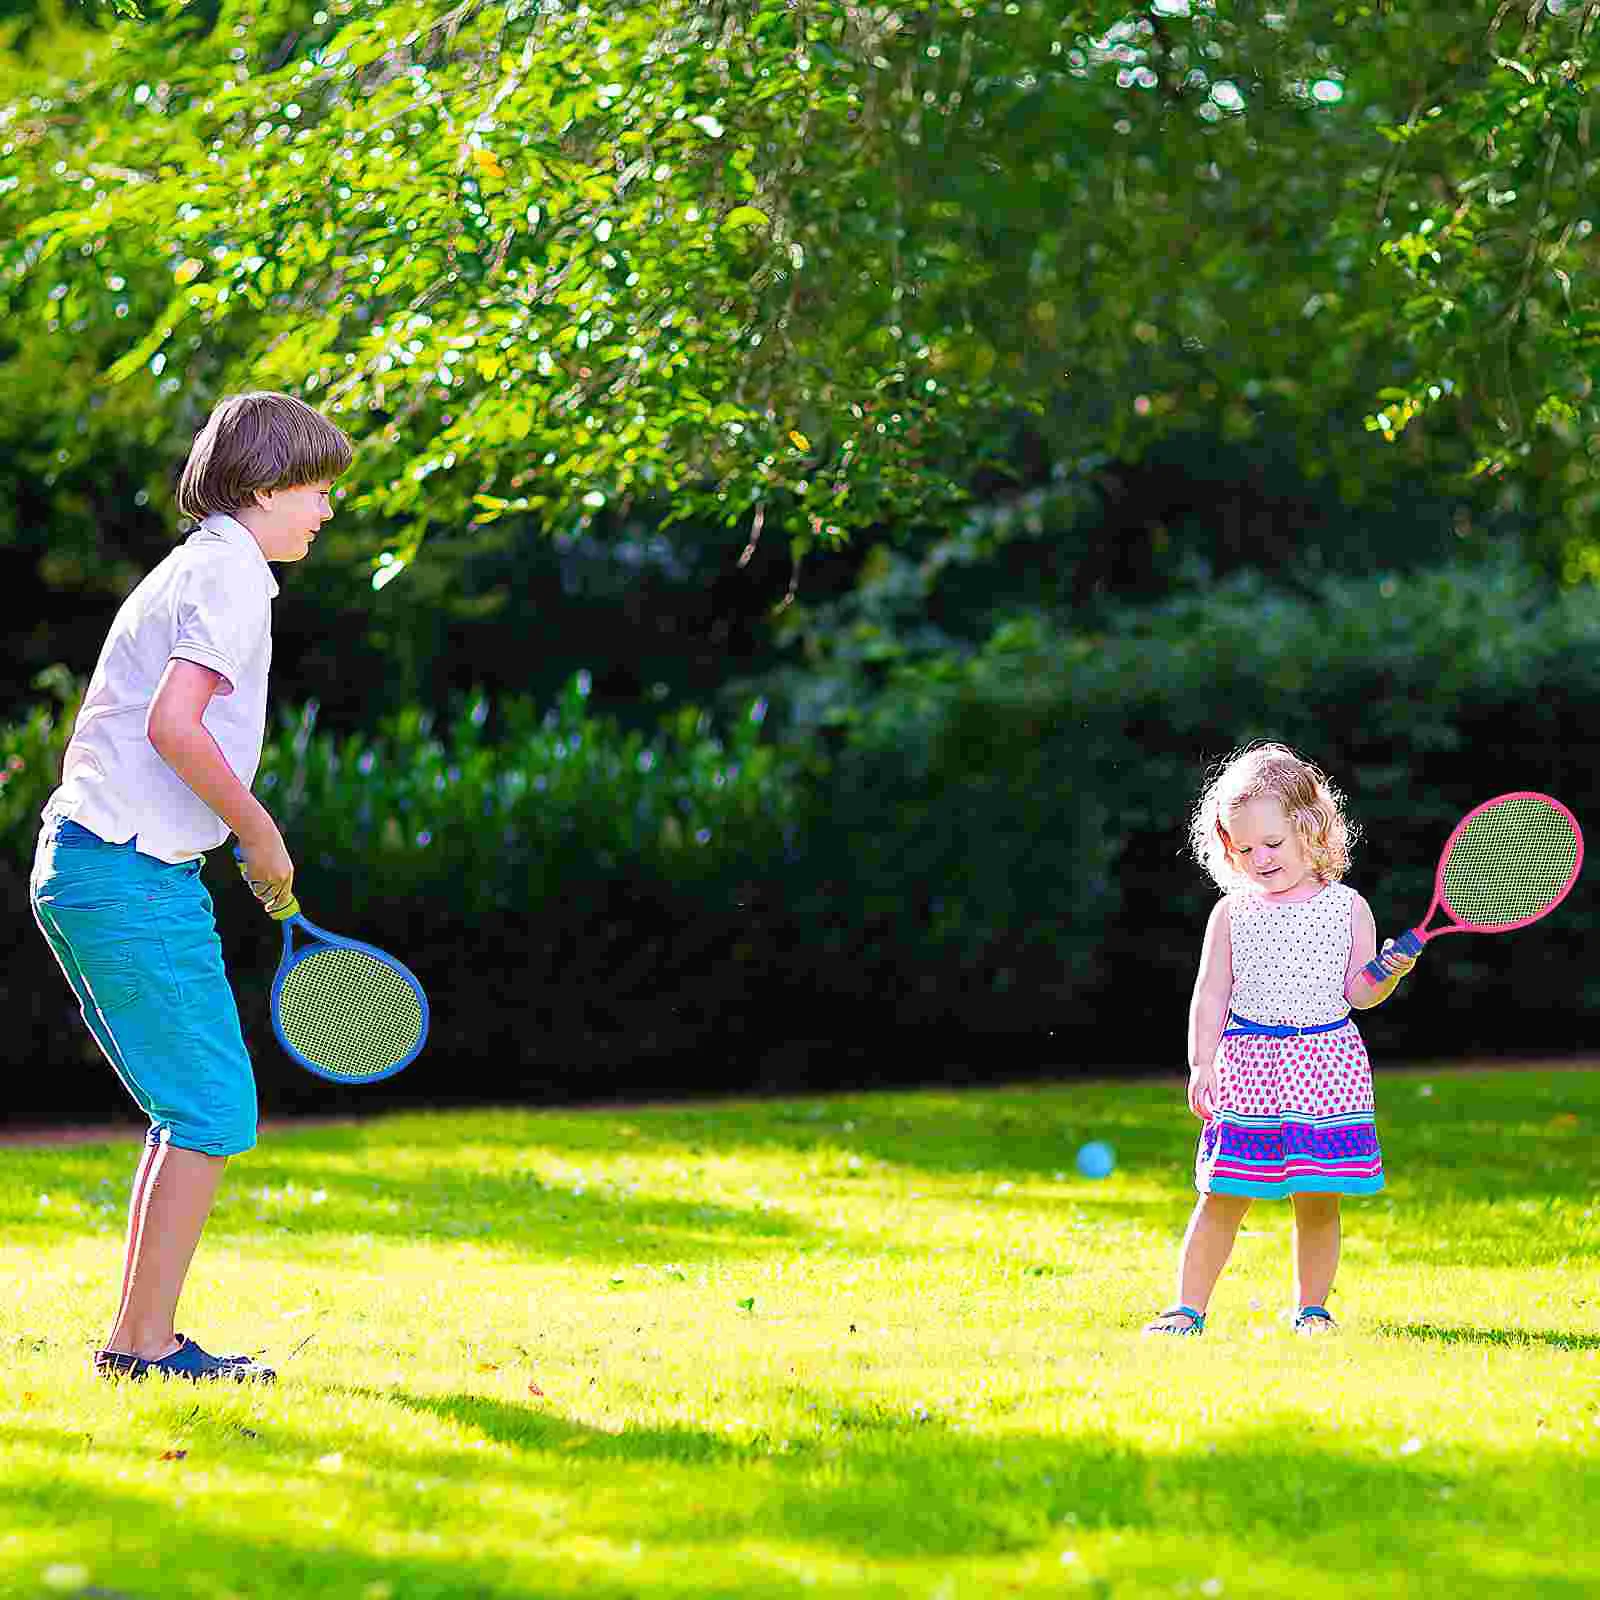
x=1294, y=1116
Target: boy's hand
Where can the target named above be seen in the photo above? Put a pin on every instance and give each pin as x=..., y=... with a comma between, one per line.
x=1203, y=1090
x=267, y=868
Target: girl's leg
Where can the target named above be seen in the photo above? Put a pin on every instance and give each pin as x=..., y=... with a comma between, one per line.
x=163, y=1230
x=1207, y=1244
x=1316, y=1247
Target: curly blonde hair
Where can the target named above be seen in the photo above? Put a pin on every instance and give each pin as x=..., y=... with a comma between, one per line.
x=1314, y=807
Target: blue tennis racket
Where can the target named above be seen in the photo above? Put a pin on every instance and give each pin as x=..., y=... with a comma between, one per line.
x=342, y=1009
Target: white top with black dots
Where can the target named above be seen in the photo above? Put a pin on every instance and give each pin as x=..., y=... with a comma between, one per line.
x=1290, y=958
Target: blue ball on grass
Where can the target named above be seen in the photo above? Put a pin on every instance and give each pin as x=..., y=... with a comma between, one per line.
x=1096, y=1159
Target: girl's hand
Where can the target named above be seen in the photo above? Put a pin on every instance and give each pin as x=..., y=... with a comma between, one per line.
x=1203, y=1090
x=1394, y=963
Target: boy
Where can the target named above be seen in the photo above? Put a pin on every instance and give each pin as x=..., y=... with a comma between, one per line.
x=157, y=772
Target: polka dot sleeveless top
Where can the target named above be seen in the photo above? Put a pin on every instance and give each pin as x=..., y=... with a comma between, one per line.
x=1289, y=959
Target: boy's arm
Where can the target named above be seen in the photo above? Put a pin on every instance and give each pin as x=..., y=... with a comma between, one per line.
x=1359, y=989
x=184, y=742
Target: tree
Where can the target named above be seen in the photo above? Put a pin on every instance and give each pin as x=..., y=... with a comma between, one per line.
x=804, y=266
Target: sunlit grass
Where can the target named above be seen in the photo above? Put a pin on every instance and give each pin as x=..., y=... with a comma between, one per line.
x=878, y=1345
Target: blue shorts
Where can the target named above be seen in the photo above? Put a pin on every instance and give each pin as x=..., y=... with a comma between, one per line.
x=138, y=943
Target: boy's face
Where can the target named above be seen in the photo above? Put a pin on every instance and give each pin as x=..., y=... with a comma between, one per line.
x=285, y=521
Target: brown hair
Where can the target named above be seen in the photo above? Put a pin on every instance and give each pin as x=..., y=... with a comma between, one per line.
x=1314, y=807
x=260, y=440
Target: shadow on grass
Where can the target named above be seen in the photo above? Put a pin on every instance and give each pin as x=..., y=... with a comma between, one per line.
x=1543, y=1122
x=531, y=1428
x=887, y=1486
x=133, y=1554
x=1550, y=1337
x=410, y=1176
x=1031, y=1131
x=521, y=1212
x=885, y=1483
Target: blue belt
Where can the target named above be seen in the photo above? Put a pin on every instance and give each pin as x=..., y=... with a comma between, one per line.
x=1244, y=1028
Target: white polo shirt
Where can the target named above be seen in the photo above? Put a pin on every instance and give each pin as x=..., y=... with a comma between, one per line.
x=210, y=601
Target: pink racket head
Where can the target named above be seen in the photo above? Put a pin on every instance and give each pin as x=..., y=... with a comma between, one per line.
x=1509, y=862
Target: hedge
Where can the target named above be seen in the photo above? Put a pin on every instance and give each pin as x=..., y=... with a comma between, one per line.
x=971, y=865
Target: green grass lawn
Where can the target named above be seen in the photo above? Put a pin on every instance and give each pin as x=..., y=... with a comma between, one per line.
x=873, y=1345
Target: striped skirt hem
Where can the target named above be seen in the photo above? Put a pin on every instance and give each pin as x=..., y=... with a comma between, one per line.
x=1269, y=1157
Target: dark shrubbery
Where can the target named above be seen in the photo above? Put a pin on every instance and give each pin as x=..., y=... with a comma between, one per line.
x=1029, y=797
x=982, y=876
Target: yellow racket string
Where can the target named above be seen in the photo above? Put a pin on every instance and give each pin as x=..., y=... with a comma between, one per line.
x=1512, y=861
x=349, y=1013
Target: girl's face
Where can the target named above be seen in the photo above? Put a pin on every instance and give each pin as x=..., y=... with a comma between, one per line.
x=1267, y=847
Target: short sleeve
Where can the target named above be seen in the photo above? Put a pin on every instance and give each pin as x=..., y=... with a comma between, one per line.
x=222, y=617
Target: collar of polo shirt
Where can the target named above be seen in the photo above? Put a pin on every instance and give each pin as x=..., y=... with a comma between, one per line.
x=231, y=531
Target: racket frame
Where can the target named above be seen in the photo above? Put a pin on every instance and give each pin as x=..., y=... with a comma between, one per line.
x=292, y=959
x=1410, y=942
x=289, y=916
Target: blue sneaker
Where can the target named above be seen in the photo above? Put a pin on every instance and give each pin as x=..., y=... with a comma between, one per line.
x=188, y=1362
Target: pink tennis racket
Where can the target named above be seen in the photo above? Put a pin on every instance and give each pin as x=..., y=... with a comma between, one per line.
x=1509, y=862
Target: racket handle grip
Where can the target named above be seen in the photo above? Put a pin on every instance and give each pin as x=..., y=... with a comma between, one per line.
x=284, y=912
x=1408, y=944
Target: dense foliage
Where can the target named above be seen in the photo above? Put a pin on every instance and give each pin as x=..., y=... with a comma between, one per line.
x=795, y=266
x=987, y=874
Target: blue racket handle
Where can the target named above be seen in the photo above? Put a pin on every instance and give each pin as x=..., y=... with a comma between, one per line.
x=1408, y=944
x=283, y=913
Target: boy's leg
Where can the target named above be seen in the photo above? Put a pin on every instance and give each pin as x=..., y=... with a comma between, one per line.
x=1316, y=1247
x=141, y=1179
x=164, y=1226
x=137, y=942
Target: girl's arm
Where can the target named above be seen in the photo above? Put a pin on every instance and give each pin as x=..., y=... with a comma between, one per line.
x=1359, y=989
x=184, y=742
x=1208, y=1009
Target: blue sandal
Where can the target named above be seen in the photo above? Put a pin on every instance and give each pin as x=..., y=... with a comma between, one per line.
x=1197, y=1322
x=188, y=1362
x=1314, y=1320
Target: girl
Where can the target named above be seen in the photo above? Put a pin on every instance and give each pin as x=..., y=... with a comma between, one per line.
x=1277, y=1070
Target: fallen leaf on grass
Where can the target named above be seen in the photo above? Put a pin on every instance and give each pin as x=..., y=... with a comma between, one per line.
x=534, y=1388
x=174, y=1455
